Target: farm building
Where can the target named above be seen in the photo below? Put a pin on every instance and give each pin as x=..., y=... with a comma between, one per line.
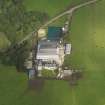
x=54, y=33
x=50, y=51
x=31, y=73
x=67, y=49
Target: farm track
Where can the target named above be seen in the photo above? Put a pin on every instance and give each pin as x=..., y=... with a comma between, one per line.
x=69, y=11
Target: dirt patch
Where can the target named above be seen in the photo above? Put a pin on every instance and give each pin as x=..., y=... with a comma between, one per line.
x=36, y=84
x=75, y=77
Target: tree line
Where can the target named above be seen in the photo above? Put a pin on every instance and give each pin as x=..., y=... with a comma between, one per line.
x=16, y=22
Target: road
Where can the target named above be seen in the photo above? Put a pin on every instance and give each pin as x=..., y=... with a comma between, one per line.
x=70, y=11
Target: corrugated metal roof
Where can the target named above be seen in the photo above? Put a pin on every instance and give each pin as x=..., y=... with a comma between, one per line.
x=47, y=47
x=48, y=43
x=54, y=33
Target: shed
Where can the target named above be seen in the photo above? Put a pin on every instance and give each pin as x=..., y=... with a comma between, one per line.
x=67, y=48
x=54, y=33
x=31, y=74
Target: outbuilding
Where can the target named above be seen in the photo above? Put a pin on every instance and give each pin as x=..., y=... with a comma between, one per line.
x=54, y=33
x=67, y=49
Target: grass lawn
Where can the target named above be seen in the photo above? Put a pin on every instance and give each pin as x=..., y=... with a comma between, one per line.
x=88, y=53
x=48, y=73
x=52, y=7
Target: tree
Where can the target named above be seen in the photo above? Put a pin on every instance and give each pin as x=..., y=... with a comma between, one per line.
x=16, y=55
x=15, y=23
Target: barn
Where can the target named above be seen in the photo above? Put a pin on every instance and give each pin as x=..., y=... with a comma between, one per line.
x=54, y=33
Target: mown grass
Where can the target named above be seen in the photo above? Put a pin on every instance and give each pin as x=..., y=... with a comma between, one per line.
x=12, y=85
x=52, y=7
x=88, y=54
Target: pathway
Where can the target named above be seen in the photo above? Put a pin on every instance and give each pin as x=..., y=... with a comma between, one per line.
x=70, y=11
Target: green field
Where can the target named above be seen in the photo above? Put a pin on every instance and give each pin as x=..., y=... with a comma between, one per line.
x=52, y=7
x=88, y=53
